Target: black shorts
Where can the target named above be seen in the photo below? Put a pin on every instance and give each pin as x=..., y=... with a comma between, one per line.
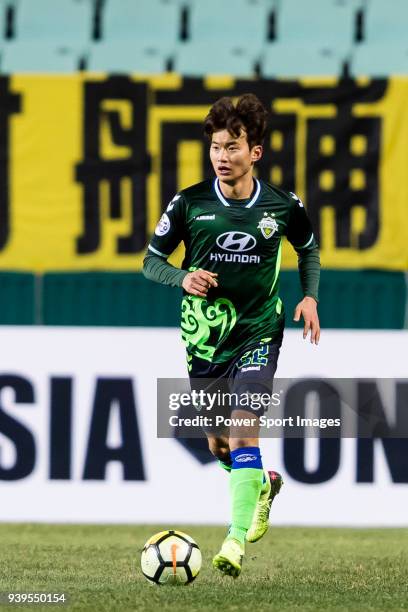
x=244, y=378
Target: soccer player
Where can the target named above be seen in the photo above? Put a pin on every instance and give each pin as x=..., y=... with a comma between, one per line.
x=232, y=317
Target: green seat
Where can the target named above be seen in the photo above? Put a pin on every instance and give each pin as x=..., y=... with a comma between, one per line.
x=196, y=59
x=317, y=21
x=38, y=57
x=241, y=22
x=154, y=23
x=126, y=56
x=386, y=22
x=64, y=21
x=294, y=60
x=380, y=60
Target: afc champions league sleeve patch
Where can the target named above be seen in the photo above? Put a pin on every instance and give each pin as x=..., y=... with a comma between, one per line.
x=296, y=198
x=163, y=225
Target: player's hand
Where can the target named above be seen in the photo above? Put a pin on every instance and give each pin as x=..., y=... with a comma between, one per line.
x=307, y=308
x=199, y=282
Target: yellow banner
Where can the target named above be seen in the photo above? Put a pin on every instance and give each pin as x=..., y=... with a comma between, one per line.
x=88, y=162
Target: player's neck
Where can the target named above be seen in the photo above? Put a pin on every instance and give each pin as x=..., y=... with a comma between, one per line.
x=239, y=190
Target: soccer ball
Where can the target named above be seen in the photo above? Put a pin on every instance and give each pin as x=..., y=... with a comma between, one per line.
x=171, y=557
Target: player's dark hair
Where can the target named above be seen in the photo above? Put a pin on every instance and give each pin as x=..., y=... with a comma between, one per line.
x=248, y=113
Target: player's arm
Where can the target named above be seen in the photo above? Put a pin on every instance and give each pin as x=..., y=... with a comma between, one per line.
x=300, y=235
x=157, y=268
x=167, y=236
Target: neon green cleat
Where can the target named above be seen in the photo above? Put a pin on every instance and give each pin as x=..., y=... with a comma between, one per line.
x=260, y=519
x=229, y=559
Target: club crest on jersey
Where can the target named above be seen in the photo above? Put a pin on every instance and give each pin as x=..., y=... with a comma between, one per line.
x=268, y=225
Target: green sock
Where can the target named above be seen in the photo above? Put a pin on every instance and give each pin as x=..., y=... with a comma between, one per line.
x=246, y=484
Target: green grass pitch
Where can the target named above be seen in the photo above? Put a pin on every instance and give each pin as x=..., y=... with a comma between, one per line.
x=289, y=569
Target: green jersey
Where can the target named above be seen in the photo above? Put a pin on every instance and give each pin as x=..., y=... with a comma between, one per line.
x=241, y=240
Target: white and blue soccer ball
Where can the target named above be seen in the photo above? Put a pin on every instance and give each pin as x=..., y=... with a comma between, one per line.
x=171, y=557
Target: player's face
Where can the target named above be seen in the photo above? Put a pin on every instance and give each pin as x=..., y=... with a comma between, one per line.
x=231, y=157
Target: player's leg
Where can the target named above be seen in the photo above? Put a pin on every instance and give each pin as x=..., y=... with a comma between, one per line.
x=241, y=457
x=252, y=488
x=272, y=481
x=229, y=559
x=218, y=445
x=246, y=478
x=246, y=481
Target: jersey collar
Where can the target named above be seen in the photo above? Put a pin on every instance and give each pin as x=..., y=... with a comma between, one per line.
x=224, y=201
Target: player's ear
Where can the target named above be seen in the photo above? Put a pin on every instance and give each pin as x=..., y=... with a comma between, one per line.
x=256, y=153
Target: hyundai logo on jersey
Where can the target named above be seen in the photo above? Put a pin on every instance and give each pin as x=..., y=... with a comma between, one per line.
x=236, y=241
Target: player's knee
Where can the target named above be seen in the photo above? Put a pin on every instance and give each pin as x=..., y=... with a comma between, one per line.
x=219, y=448
x=242, y=443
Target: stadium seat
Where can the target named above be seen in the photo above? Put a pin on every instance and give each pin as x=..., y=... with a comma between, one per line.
x=155, y=23
x=38, y=57
x=125, y=56
x=242, y=21
x=65, y=21
x=296, y=60
x=380, y=60
x=196, y=59
x=323, y=21
x=386, y=21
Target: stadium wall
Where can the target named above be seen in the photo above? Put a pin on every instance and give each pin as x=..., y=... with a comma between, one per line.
x=79, y=444
x=349, y=299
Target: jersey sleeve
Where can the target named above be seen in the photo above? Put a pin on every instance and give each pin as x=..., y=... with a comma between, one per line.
x=299, y=231
x=170, y=229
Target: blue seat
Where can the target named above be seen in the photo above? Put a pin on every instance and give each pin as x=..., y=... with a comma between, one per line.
x=197, y=59
x=295, y=60
x=155, y=23
x=323, y=21
x=65, y=21
x=125, y=56
x=380, y=59
x=237, y=22
x=386, y=21
x=38, y=57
